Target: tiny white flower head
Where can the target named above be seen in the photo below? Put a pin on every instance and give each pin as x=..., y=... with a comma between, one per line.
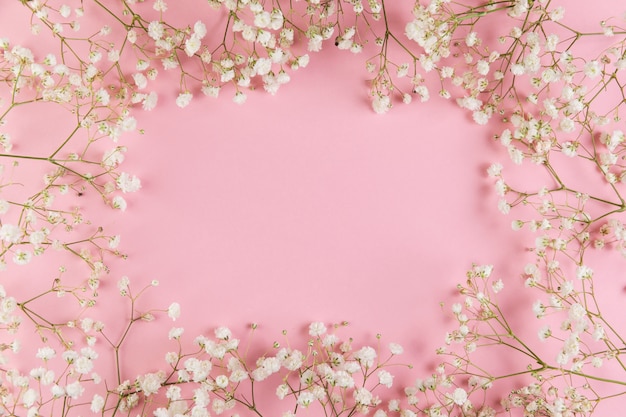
x=592, y=69
x=317, y=329
x=396, y=349
x=184, y=99
x=459, y=396
x=119, y=203
x=173, y=311
x=381, y=103
x=240, y=97
x=223, y=333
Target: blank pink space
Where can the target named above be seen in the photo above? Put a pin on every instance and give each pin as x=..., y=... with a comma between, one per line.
x=307, y=206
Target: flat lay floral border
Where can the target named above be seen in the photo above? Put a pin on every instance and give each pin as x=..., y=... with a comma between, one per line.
x=549, y=93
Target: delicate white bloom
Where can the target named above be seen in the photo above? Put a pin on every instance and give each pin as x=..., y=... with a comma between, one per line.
x=557, y=14
x=306, y=398
x=471, y=39
x=140, y=80
x=570, y=148
x=592, y=69
x=482, y=67
x=497, y=286
x=240, y=97
x=150, y=383
x=544, y=333
x=517, y=69
x=184, y=99
x=504, y=206
x=45, y=353
x=29, y=397
x=598, y=332
x=159, y=6
x=480, y=117
x=155, y=30
x=282, y=391
x=584, y=272
x=395, y=349
x=381, y=103
x=57, y=391
x=363, y=397
x=10, y=233
x=459, y=396
x=128, y=183
x=65, y=11
x=74, y=390
x=366, y=356
x=119, y=203
x=223, y=333
x=222, y=381
x=315, y=43
x=539, y=309
x=385, y=378
x=150, y=101
x=175, y=333
x=567, y=125
x=192, y=45
x=173, y=311
x=22, y=257
x=494, y=170
x=199, y=29
x=317, y=329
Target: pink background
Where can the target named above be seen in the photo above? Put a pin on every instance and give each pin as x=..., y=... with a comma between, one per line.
x=305, y=206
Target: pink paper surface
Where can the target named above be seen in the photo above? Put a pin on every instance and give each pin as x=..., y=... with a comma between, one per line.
x=305, y=206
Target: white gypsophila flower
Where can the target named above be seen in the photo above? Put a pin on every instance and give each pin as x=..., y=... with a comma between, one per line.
x=175, y=333
x=199, y=29
x=315, y=43
x=497, y=286
x=159, y=6
x=128, y=183
x=140, y=80
x=305, y=398
x=592, y=69
x=119, y=203
x=363, y=396
x=74, y=390
x=192, y=45
x=366, y=356
x=584, y=272
x=317, y=329
x=150, y=101
x=10, y=233
x=97, y=403
x=381, y=103
x=396, y=349
x=240, y=97
x=480, y=117
x=150, y=383
x=471, y=39
x=155, y=30
x=183, y=99
x=223, y=333
x=22, y=257
x=173, y=311
x=504, y=206
x=46, y=353
x=385, y=378
x=222, y=381
x=459, y=396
